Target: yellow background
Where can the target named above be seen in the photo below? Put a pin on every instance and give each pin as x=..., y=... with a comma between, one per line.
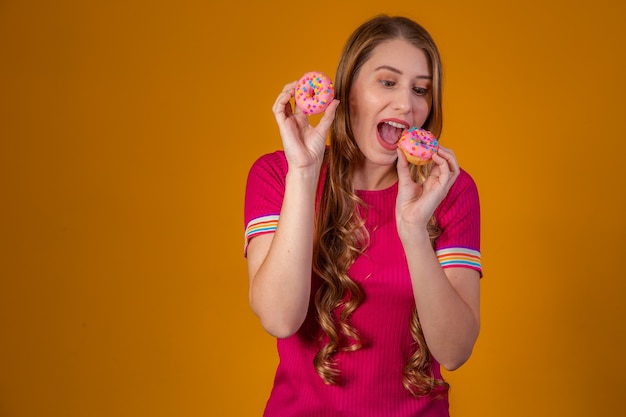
x=127, y=129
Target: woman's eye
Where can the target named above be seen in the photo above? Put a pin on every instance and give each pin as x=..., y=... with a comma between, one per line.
x=420, y=91
x=387, y=83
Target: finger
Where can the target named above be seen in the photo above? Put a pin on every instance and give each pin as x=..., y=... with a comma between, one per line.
x=440, y=158
x=404, y=174
x=328, y=117
x=446, y=153
x=441, y=169
x=282, y=101
x=291, y=86
x=288, y=90
x=450, y=157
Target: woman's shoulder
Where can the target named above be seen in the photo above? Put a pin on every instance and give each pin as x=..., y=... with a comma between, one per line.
x=463, y=190
x=276, y=158
x=272, y=164
x=464, y=181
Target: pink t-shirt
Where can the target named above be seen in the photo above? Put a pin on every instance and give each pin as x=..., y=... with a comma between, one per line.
x=371, y=377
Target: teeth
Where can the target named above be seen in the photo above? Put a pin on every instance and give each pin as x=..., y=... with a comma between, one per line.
x=394, y=124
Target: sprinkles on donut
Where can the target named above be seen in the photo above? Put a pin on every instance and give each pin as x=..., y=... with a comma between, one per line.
x=314, y=92
x=418, y=145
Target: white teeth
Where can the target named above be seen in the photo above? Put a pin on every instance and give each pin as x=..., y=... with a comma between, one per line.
x=394, y=124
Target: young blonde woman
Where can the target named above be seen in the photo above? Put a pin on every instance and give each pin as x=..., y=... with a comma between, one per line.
x=365, y=268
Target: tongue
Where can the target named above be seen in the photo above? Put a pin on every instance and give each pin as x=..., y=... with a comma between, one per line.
x=389, y=133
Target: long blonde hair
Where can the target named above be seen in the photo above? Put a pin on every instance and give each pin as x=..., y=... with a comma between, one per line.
x=340, y=235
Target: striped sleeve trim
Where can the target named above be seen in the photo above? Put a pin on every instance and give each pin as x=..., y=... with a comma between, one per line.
x=459, y=257
x=259, y=226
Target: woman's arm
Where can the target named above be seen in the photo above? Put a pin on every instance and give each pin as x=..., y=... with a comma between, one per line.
x=280, y=264
x=447, y=301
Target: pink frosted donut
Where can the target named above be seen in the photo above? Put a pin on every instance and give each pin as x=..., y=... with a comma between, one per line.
x=314, y=92
x=418, y=145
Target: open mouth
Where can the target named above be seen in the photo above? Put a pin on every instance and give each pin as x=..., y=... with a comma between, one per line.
x=390, y=132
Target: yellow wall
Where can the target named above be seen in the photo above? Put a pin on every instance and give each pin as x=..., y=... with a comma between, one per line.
x=123, y=290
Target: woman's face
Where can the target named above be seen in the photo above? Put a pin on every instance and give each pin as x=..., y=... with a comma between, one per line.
x=391, y=92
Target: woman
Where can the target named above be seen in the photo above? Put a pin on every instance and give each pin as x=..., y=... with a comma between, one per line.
x=365, y=268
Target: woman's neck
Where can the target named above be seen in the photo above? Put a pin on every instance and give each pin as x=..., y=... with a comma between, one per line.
x=380, y=177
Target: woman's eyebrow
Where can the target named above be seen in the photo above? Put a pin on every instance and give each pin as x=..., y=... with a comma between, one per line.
x=397, y=71
x=387, y=67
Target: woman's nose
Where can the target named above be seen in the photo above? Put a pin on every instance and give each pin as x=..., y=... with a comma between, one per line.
x=402, y=100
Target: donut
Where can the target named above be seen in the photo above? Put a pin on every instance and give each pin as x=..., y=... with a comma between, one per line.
x=314, y=92
x=418, y=145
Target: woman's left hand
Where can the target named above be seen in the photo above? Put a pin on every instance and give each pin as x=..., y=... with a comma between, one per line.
x=416, y=203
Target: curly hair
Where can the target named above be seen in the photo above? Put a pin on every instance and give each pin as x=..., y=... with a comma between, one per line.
x=340, y=235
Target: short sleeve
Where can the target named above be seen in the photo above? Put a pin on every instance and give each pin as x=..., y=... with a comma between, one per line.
x=458, y=217
x=265, y=190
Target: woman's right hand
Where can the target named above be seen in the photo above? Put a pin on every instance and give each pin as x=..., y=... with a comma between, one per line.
x=303, y=144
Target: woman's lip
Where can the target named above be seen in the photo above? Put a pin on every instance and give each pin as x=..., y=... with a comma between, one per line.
x=398, y=121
